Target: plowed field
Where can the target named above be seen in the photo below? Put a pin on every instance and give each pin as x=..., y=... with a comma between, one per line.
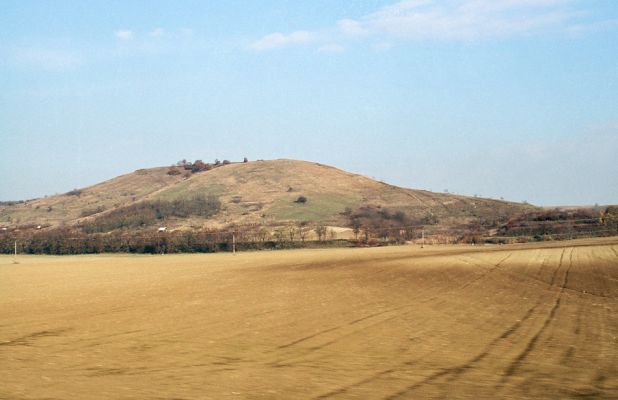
x=524, y=321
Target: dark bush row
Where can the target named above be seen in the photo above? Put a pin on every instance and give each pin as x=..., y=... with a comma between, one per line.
x=149, y=213
x=70, y=241
x=376, y=222
x=569, y=223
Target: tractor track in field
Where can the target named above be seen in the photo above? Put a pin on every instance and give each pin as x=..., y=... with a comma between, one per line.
x=553, y=277
x=456, y=371
x=29, y=339
x=489, y=271
x=531, y=321
x=373, y=315
x=327, y=331
x=515, y=365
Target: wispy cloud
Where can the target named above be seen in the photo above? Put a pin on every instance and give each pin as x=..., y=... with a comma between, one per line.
x=157, y=32
x=463, y=19
x=351, y=27
x=152, y=41
x=46, y=58
x=331, y=48
x=124, y=34
x=593, y=26
x=447, y=20
x=277, y=40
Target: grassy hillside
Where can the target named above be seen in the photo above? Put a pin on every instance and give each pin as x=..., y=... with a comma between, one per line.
x=71, y=206
x=264, y=192
x=267, y=192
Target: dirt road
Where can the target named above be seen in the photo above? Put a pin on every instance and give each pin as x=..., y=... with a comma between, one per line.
x=525, y=321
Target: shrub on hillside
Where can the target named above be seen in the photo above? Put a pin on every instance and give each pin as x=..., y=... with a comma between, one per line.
x=372, y=221
x=321, y=231
x=74, y=192
x=147, y=213
x=198, y=166
x=609, y=218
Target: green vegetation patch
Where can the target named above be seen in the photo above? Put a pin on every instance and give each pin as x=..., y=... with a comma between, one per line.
x=185, y=190
x=317, y=207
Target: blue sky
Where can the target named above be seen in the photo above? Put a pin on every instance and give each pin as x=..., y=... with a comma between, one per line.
x=506, y=98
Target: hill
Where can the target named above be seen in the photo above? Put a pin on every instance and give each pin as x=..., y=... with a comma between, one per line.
x=269, y=193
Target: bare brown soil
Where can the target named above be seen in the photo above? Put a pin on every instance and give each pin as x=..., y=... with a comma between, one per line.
x=526, y=321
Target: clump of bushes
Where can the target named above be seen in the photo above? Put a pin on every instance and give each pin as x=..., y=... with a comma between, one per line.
x=376, y=222
x=198, y=166
x=74, y=192
x=556, y=222
x=147, y=213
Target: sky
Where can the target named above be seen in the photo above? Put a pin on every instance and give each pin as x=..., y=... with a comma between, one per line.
x=513, y=99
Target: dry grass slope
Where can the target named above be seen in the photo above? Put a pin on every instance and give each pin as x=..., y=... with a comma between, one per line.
x=69, y=208
x=261, y=192
x=514, y=322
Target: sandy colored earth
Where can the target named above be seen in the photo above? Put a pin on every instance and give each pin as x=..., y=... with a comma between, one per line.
x=524, y=321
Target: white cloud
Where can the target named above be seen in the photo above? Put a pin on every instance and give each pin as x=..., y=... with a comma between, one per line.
x=464, y=19
x=277, y=40
x=124, y=34
x=449, y=20
x=332, y=48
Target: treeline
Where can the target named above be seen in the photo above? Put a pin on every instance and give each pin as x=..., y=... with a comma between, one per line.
x=73, y=241
x=563, y=223
x=123, y=231
x=64, y=241
x=14, y=202
x=197, y=166
x=149, y=213
x=373, y=223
